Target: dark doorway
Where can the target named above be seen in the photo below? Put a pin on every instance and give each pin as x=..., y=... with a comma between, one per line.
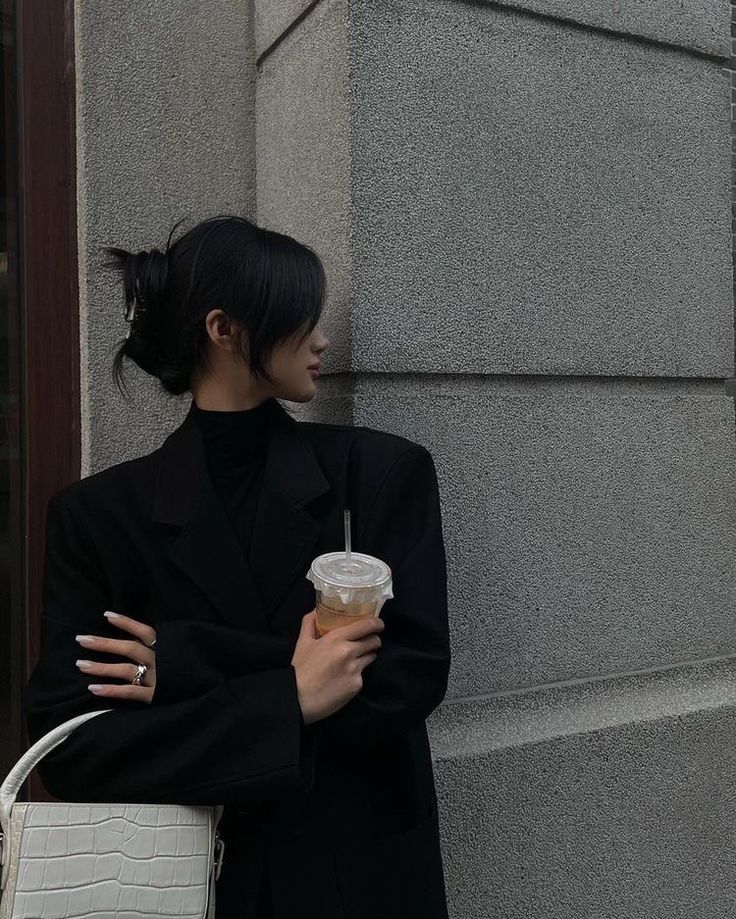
x=12, y=657
x=39, y=325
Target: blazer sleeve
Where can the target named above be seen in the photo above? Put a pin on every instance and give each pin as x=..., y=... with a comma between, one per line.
x=242, y=741
x=193, y=656
x=408, y=678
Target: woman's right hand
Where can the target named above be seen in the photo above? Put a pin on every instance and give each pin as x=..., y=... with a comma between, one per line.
x=329, y=670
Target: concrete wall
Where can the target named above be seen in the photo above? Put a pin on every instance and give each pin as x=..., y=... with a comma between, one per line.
x=165, y=130
x=524, y=207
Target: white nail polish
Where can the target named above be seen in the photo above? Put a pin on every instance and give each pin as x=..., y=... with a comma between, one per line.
x=95, y=687
x=110, y=615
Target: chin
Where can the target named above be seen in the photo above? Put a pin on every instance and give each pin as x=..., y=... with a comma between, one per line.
x=300, y=395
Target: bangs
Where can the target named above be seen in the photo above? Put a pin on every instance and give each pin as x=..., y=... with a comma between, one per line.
x=290, y=290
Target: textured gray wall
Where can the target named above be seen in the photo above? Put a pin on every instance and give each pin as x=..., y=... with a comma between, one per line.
x=525, y=209
x=165, y=130
x=556, y=195
x=589, y=523
x=605, y=800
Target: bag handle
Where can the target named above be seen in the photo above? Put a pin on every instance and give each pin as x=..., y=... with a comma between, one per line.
x=30, y=759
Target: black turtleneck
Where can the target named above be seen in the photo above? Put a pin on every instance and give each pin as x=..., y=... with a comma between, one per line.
x=235, y=449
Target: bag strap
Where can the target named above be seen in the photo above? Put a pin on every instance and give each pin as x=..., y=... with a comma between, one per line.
x=30, y=759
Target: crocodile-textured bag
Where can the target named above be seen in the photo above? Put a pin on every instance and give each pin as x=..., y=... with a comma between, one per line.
x=111, y=861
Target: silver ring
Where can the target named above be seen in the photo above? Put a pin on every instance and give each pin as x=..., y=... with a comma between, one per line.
x=139, y=674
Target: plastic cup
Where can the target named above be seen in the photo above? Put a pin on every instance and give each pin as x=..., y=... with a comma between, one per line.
x=348, y=588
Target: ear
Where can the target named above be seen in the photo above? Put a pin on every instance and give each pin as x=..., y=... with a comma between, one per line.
x=221, y=329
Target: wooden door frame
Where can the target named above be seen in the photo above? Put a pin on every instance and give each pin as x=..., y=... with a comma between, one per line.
x=48, y=282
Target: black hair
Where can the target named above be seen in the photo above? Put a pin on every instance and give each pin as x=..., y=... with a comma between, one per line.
x=269, y=283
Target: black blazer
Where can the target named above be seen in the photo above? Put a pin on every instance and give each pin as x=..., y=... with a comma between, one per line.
x=345, y=808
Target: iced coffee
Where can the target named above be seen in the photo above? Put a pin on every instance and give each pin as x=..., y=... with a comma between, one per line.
x=349, y=586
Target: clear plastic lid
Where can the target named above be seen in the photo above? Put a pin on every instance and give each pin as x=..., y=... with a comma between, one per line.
x=333, y=575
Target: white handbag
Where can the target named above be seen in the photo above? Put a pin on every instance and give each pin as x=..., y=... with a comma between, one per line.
x=108, y=861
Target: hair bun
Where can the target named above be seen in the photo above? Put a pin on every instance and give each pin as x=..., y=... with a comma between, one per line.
x=145, y=276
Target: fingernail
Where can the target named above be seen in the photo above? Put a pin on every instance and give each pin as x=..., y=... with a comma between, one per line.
x=110, y=615
x=83, y=639
x=84, y=664
x=95, y=687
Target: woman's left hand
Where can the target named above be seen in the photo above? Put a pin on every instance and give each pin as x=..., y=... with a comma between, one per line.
x=138, y=651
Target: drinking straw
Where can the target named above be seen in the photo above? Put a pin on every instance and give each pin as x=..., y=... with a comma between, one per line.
x=347, y=535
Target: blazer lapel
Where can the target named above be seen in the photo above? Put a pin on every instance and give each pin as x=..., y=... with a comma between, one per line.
x=284, y=531
x=207, y=550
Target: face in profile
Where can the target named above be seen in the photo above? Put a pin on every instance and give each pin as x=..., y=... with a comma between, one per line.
x=292, y=364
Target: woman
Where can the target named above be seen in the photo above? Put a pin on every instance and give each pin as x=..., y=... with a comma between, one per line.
x=180, y=576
